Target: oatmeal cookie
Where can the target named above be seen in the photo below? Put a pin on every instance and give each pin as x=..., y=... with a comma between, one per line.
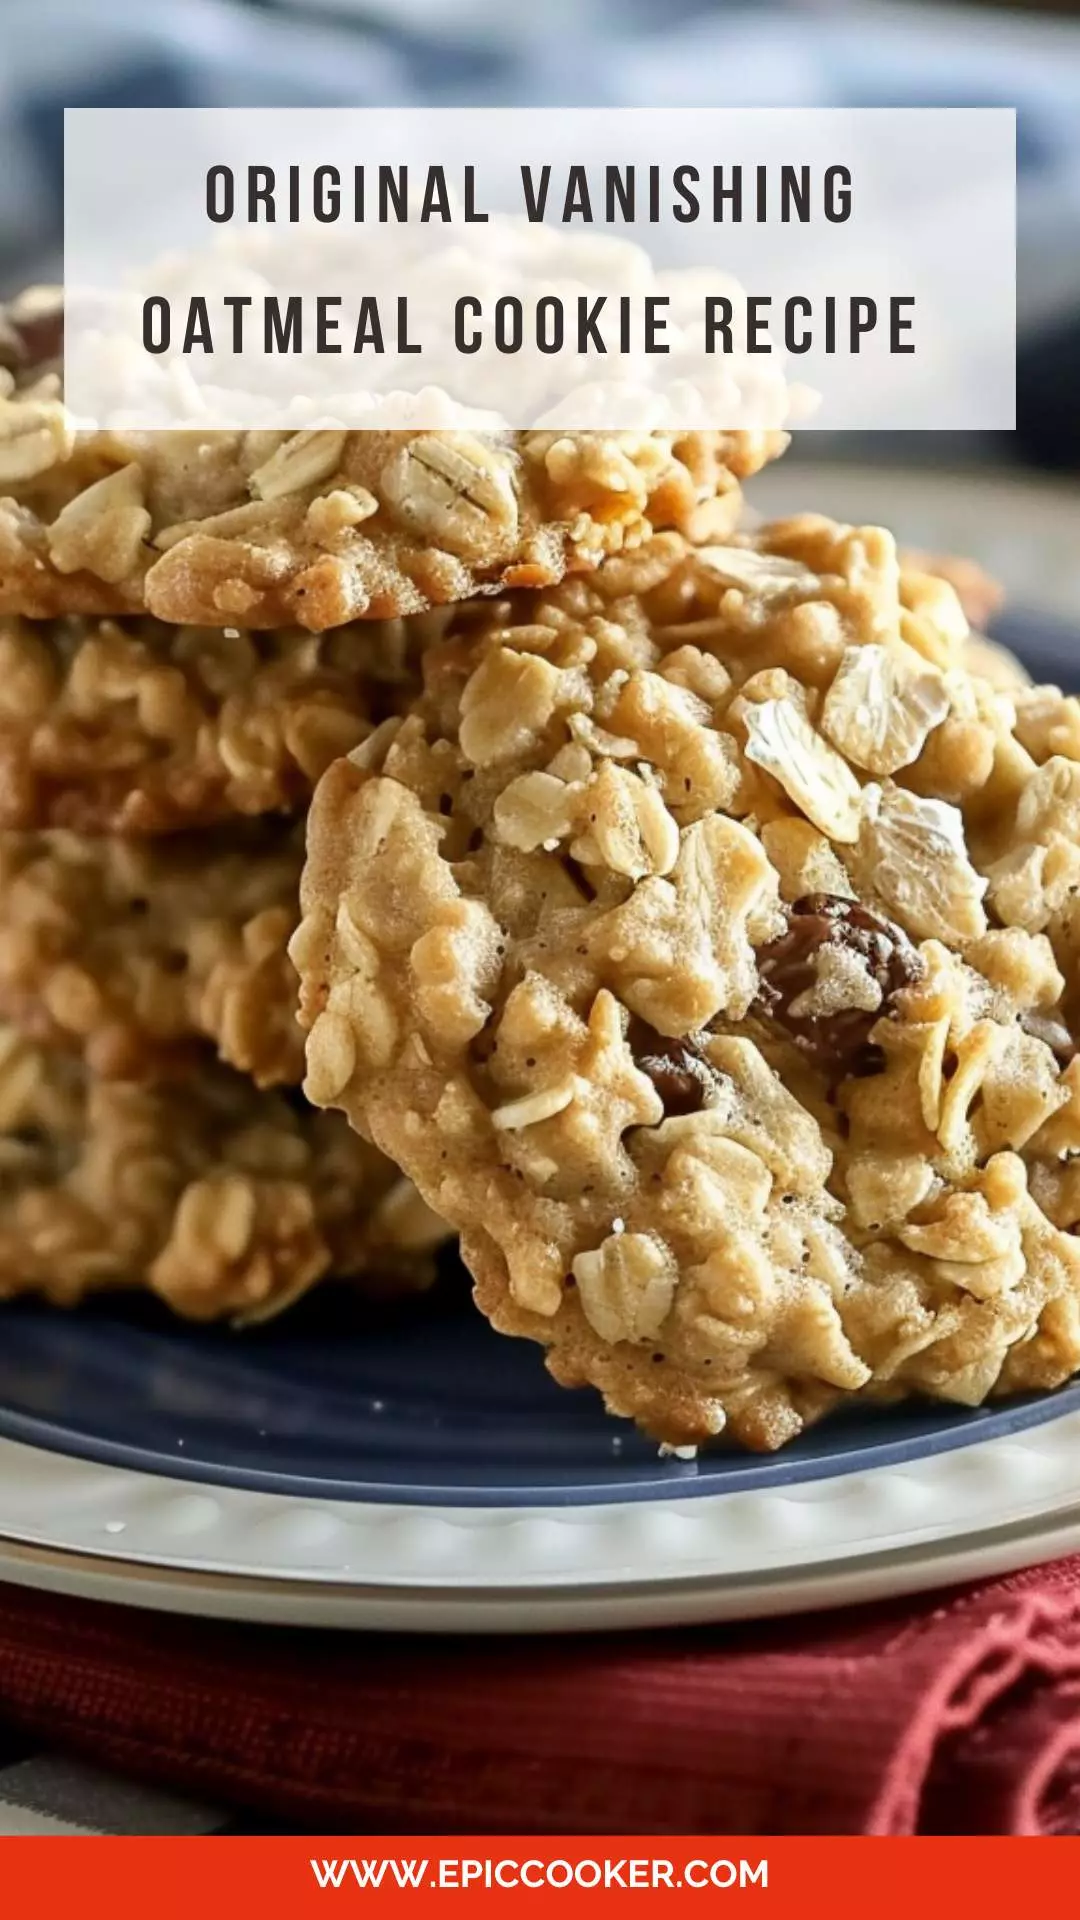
x=318, y=528
x=989, y=660
x=135, y=952
x=227, y=1202
x=701, y=943
x=139, y=728
x=980, y=595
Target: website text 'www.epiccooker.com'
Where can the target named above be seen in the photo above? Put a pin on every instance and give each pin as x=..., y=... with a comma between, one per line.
x=645, y=1872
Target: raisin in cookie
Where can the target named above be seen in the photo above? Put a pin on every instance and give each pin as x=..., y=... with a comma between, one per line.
x=225, y=1201
x=135, y=952
x=318, y=528
x=703, y=943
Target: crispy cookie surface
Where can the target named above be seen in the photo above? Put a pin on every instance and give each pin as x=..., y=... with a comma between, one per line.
x=140, y=728
x=225, y=1201
x=704, y=944
x=135, y=952
x=318, y=528
x=980, y=595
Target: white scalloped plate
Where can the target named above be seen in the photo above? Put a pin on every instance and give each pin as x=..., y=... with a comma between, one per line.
x=78, y=1527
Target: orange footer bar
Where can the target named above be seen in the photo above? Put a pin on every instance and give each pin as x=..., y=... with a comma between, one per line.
x=149, y=1879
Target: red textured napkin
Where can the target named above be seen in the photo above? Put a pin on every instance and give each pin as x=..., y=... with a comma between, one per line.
x=951, y=1714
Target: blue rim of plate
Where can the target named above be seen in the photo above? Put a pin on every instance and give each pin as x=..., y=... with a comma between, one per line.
x=422, y=1405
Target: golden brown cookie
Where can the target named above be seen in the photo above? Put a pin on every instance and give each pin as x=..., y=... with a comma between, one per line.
x=979, y=594
x=139, y=728
x=991, y=661
x=136, y=952
x=227, y=1202
x=703, y=944
x=318, y=528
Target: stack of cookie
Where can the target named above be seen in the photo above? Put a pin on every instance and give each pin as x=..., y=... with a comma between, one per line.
x=686, y=918
x=193, y=630
x=154, y=780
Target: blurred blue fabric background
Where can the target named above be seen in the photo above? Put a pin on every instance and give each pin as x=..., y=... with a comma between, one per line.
x=56, y=53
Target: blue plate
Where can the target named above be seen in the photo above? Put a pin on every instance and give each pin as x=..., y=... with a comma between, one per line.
x=422, y=1407
x=411, y=1407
